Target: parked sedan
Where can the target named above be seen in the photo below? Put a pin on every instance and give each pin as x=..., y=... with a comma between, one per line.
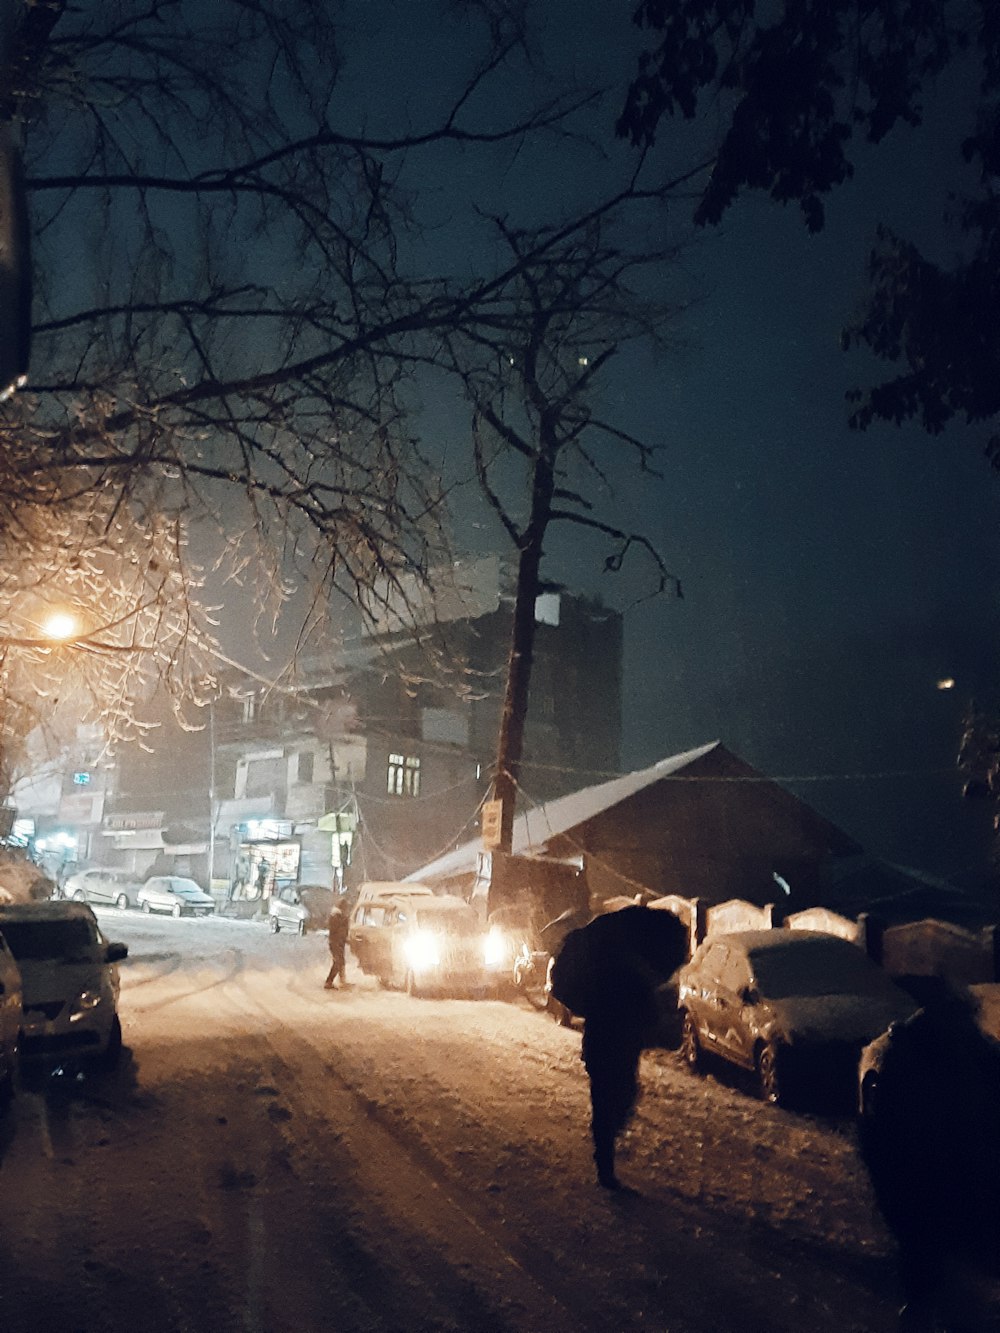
x=794, y=1006
x=299, y=907
x=70, y=981
x=116, y=887
x=176, y=895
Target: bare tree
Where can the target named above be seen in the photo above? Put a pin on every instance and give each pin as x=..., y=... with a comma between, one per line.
x=236, y=294
x=531, y=372
x=227, y=315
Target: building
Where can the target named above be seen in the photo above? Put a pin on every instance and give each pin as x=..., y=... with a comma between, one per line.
x=702, y=824
x=366, y=765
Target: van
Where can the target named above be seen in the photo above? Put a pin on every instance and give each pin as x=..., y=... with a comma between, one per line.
x=412, y=938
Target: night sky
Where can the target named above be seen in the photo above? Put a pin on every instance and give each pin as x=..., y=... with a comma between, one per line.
x=831, y=578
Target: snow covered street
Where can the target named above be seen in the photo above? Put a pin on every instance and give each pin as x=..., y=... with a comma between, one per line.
x=272, y=1156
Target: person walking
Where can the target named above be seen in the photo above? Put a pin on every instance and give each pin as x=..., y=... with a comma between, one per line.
x=336, y=937
x=607, y=973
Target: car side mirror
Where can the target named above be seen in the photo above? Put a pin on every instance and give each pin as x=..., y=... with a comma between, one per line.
x=114, y=953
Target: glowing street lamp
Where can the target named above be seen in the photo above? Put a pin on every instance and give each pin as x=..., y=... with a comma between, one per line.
x=60, y=625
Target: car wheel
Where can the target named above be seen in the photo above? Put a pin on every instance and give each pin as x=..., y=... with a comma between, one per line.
x=690, y=1046
x=121, y=902
x=112, y=1054
x=274, y=924
x=176, y=909
x=145, y=906
x=767, y=1073
x=79, y=896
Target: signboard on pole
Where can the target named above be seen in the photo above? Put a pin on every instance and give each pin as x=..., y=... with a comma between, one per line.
x=492, y=816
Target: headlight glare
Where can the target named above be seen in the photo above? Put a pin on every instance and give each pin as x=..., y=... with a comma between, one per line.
x=422, y=951
x=496, y=948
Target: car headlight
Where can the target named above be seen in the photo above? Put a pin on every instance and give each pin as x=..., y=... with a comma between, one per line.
x=84, y=1002
x=496, y=948
x=422, y=951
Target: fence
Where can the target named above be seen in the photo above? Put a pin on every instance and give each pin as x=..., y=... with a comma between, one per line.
x=916, y=948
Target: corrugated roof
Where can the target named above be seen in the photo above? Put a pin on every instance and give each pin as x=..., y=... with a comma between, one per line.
x=535, y=829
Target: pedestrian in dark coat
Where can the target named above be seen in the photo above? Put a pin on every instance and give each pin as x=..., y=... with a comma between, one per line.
x=336, y=935
x=931, y=1144
x=608, y=973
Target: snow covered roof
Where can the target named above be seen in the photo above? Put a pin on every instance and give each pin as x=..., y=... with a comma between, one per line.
x=535, y=829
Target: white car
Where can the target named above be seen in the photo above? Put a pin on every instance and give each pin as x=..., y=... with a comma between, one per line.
x=115, y=887
x=69, y=980
x=796, y=1006
x=174, y=894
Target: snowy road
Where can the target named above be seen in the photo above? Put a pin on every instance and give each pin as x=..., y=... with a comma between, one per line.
x=276, y=1157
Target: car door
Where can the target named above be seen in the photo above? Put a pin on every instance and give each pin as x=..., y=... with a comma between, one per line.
x=99, y=887
x=734, y=1012
x=702, y=1001
x=288, y=901
x=157, y=894
x=367, y=923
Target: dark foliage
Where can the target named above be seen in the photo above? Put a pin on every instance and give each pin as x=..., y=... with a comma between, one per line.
x=798, y=85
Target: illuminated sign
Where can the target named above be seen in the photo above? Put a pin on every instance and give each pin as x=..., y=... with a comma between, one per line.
x=81, y=779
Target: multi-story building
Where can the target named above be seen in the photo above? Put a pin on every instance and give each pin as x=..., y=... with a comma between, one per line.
x=369, y=766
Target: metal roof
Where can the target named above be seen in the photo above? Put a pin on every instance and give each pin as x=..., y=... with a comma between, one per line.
x=535, y=829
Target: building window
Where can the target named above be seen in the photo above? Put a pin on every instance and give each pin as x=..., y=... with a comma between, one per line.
x=404, y=775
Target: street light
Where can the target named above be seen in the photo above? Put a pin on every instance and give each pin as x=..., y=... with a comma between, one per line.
x=60, y=625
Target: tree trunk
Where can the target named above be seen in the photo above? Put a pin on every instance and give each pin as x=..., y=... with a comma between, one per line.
x=510, y=744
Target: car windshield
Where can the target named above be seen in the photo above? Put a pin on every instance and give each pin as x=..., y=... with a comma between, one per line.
x=818, y=967
x=49, y=939
x=460, y=923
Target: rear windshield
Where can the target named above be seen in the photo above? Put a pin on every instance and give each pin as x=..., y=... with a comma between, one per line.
x=50, y=939
x=818, y=967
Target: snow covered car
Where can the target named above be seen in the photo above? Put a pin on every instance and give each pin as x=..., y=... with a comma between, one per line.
x=174, y=894
x=117, y=888
x=69, y=981
x=984, y=998
x=299, y=907
x=420, y=942
x=11, y=1019
x=794, y=1006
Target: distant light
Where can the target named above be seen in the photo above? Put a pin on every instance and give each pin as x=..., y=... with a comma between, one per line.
x=583, y=361
x=946, y=684
x=60, y=625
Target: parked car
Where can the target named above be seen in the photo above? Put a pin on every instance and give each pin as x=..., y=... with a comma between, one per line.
x=174, y=894
x=926, y=990
x=299, y=907
x=793, y=1006
x=69, y=981
x=116, y=887
x=420, y=942
x=11, y=1020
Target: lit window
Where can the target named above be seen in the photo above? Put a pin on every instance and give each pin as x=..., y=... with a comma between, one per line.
x=403, y=778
